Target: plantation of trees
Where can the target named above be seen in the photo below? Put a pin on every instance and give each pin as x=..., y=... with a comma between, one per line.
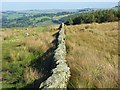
x=98, y=16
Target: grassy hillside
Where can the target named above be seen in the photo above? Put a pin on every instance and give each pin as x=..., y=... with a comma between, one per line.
x=21, y=49
x=92, y=55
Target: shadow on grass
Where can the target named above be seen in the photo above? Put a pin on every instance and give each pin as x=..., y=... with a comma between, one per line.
x=44, y=64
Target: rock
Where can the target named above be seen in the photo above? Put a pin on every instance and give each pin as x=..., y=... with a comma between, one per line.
x=60, y=74
x=27, y=34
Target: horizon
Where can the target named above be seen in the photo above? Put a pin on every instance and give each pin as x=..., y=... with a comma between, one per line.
x=19, y=6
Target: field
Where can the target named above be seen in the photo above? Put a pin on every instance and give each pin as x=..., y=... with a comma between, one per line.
x=22, y=48
x=92, y=55
x=37, y=18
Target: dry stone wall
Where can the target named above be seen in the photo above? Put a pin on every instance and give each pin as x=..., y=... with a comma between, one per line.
x=61, y=73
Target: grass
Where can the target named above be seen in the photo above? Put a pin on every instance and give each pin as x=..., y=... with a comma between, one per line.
x=92, y=55
x=20, y=47
x=45, y=23
x=13, y=16
x=40, y=18
x=61, y=16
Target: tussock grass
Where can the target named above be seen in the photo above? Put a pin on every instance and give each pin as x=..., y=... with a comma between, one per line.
x=22, y=46
x=92, y=55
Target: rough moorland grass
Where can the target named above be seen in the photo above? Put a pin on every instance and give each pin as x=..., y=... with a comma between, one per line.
x=20, y=47
x=92, y=55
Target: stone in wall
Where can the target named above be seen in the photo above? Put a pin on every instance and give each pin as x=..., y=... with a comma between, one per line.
x=61, y=73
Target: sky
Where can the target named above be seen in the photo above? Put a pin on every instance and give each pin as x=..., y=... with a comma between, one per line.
x=55, y=5
x=60, y=0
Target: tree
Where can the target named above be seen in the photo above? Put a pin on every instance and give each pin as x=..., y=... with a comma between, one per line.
x=69, y=22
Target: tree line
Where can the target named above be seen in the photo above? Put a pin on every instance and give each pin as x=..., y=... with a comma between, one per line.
x=98, y=16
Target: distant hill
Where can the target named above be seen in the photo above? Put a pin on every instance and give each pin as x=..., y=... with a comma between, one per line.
x=38, y=18
x=27, y=18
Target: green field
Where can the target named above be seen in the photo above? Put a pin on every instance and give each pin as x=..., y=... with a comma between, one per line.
x=13, y=16
x=31, y=18
x=40, y=18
